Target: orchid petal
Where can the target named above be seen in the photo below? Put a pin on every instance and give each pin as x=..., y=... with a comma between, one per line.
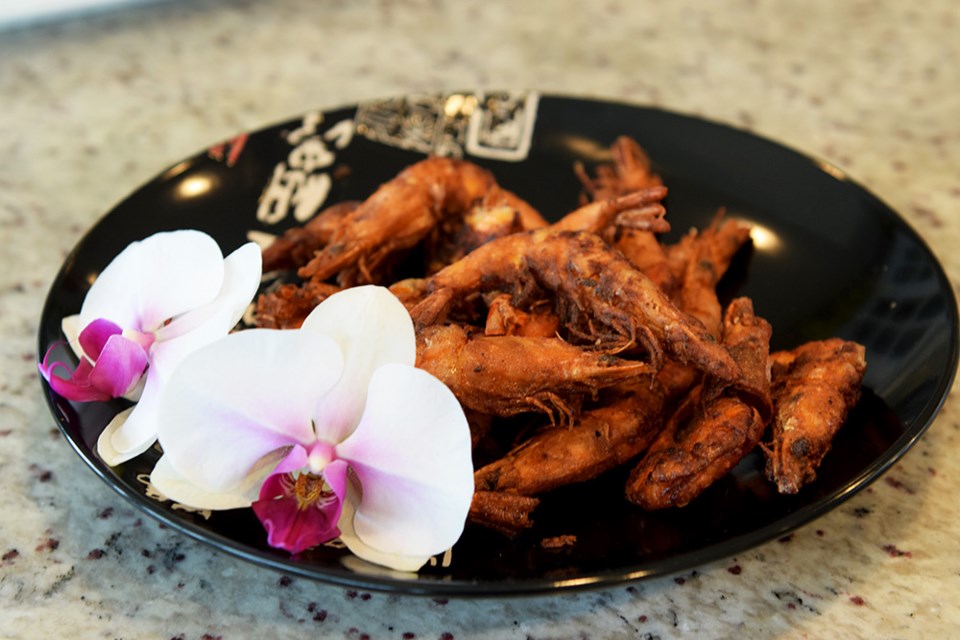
x=175, y=487
x=118, y=371
x=77, y=385
x=95, y=335
x=155, y=279
x=127, y=438
x=412, y=456
x=241, y=279
x=70, y=326
x=105, y=447
x=242, y=397
x=211, y=322
x=292, y=526
x=373, y=328
x=335, y=474
x=409, y=562
x=119, y=367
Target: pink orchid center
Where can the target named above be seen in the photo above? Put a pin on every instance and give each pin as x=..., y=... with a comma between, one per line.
x=319, y=456
x=298, y=511
x=145, y=340
x=311, y=490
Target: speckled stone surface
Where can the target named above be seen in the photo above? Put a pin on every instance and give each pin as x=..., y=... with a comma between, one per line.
x=91, y=108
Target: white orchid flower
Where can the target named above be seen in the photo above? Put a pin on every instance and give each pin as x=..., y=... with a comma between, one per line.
x=326, y=430
x=158, y=301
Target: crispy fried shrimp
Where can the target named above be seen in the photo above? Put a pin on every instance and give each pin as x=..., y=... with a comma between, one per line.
x=507, y=375
x=746, y=337
x=710, y=442
x=401, y=213
x=707, y=255
x=602, y=438
x=288, y=305
x=630, y=171
x=507, y=513
x=636, y=210
x=709, y=434
x=458, y=237
x=592, y=281
x=644, y=250
x=527, y=215
x=410, y=291
x=297, y=245
x=814, y=388
x=506, y=319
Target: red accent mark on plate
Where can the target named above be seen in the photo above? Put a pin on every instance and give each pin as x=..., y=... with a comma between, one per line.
x=230, y=149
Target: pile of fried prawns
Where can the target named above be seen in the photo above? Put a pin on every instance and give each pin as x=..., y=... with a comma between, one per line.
x=613, y=343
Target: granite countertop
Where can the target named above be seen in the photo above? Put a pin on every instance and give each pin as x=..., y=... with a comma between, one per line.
x=95, y=106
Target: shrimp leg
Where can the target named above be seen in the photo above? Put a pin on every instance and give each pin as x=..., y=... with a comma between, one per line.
x=631, y=170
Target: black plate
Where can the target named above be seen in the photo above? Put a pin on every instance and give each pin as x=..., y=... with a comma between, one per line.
x=835, y=261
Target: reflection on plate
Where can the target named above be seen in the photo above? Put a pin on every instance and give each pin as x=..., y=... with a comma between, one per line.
x=830, y=260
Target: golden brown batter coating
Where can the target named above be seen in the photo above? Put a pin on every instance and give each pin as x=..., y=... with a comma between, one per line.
x=630, y=171
x=288, y=305
x=596, y=287
x=706, y=255
x=506, y=319
x=508, y=513
x=297, y=245
x=507, y=375
x=603, y=437
x=456, y=237
x=635, y=210
x=710, y=433
x=401, y=213
x=814, y=387
x=619, y=339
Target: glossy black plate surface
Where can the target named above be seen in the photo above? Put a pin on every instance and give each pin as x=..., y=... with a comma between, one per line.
x=830, y=260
